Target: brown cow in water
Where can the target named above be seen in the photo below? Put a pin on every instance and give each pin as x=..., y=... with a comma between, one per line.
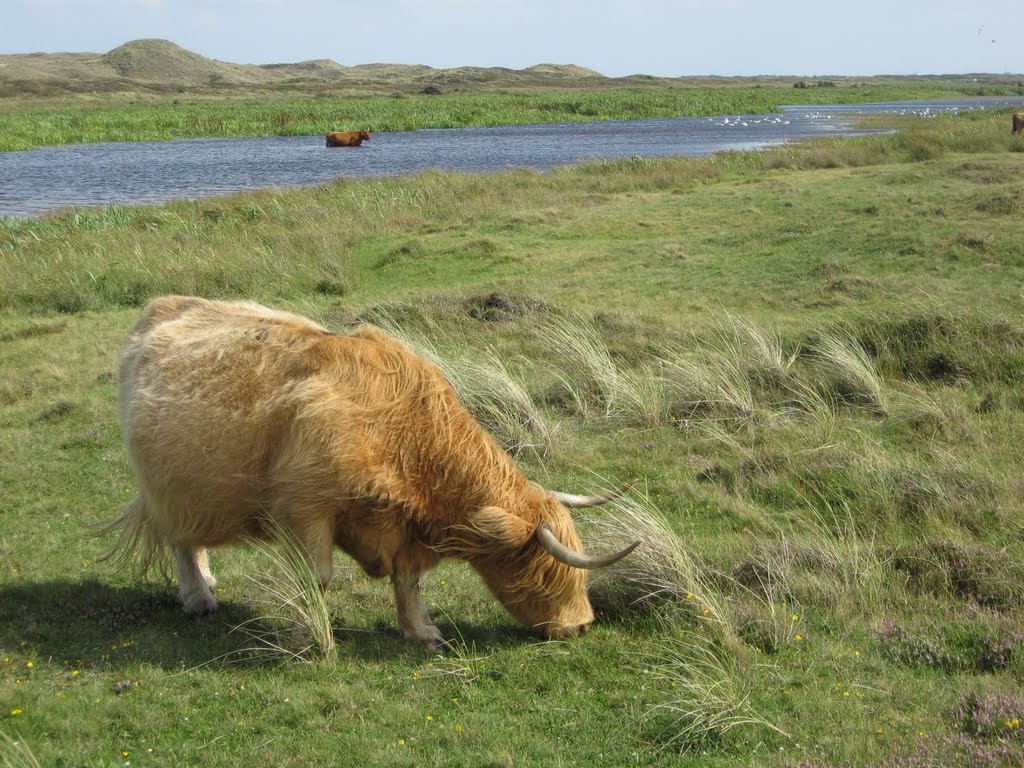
x=241, y=421
x=347, y=138
x=1018, y=122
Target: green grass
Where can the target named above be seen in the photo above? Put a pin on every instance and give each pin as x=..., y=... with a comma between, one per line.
x=807, y=360
x=27, y=124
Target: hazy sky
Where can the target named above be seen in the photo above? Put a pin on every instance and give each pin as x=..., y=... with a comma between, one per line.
x=655, y=37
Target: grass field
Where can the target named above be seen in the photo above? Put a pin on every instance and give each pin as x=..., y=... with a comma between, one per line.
x=808, y=359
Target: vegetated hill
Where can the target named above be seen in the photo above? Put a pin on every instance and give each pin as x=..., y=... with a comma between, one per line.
x=161, y=66
x=161, y=61
x=562, y=70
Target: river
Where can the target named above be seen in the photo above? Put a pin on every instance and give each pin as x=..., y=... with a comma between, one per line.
x=38, y=181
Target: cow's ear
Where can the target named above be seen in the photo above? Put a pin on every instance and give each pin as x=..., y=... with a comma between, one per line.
x=496, y=525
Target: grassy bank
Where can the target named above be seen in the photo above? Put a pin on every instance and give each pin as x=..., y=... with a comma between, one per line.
x=809, y=359
x=25, y=124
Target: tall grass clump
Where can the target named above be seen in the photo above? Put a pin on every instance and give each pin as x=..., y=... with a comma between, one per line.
x=825, y=556
x=661, y=571
x=851, y=373
x=737, y=378
x=740, y=369
x=492, y=391
x=296, y=620
x=708, y=694
x=740, y=379
x=850, y=553
x=592, y=382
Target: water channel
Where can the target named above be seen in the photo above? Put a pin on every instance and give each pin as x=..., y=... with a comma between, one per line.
x=37, y=181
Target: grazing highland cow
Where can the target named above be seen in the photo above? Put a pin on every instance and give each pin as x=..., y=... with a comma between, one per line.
x=240, y=421
x=347, y=138
x=1018, y=122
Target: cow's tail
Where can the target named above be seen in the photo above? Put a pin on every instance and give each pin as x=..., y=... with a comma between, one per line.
x=136, y=534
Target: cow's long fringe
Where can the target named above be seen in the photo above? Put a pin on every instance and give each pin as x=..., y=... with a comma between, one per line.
x=136, y=534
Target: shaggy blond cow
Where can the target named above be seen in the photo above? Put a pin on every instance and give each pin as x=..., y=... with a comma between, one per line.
x=240, y=420
x=1018, y=122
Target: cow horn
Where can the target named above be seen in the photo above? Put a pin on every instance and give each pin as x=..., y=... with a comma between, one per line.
x=563, y=554
x=572, y=501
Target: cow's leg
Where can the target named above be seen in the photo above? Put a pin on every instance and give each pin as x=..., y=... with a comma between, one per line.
x=193, y=587
x=203, y=559
x=413, y=619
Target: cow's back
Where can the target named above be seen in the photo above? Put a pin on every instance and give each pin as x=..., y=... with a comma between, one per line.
x=233, y=412
x=205, y=399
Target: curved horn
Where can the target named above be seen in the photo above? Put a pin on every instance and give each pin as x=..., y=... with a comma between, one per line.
x=563, y=554
x=572, y=501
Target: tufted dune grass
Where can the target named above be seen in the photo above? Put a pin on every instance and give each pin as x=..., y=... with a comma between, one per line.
x=807, y=362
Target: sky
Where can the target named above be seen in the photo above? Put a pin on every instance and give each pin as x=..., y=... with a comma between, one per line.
x=670, y=38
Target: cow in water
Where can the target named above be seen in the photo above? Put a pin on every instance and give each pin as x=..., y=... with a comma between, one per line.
x=347, y=138
x=241, y=422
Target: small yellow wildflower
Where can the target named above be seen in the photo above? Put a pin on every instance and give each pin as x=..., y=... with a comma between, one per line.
x=796, y=617
x=846, y=694
x=16, y=712
x=124, y=754
x=458, y=728
x=29, y=665
x=74, y=673
x=430, y=718
x=798, y=638
x=401, y=742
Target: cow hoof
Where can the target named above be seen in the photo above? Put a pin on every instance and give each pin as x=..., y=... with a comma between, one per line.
x=199, y=603
x=429, y=637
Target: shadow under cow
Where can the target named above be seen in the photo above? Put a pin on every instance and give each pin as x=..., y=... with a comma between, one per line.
x=96, y=624
x=100, y=625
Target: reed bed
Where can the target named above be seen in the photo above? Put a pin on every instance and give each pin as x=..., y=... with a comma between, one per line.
x=25, y=127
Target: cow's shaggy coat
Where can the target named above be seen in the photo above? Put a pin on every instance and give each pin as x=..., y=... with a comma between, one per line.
x=347, y=138
x=239, y=419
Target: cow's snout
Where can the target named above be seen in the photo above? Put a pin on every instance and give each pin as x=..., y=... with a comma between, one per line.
x=564, y=631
